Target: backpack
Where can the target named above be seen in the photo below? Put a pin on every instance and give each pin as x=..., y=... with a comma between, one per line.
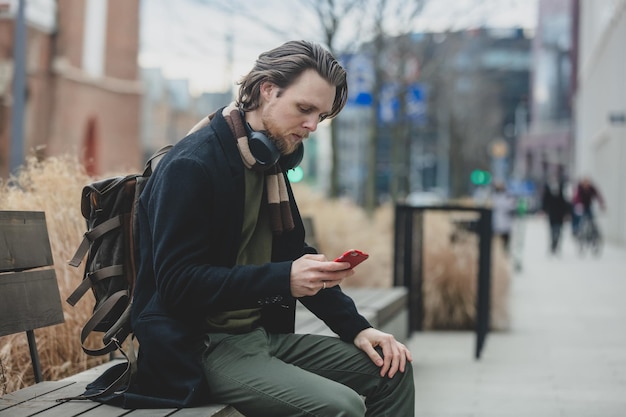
x=108, y=207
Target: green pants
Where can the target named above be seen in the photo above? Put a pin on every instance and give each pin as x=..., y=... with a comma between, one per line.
x=274, y=375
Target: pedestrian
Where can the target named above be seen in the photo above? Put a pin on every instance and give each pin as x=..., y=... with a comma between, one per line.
x=503, y=209
x=557, y=208
x=223, y=261
x=586, y=194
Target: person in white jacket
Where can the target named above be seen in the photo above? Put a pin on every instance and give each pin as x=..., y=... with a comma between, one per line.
x=503, y=209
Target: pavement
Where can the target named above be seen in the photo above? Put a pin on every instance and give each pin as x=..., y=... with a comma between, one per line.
x=563, y=355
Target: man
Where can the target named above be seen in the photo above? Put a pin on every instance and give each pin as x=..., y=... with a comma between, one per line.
x=557, y=208
x=223, y=262
x=584, y=196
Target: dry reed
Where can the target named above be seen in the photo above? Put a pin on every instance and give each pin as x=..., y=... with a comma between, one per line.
x=54, y=186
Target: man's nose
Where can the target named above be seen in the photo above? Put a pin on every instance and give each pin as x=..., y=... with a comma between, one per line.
x=311, y=123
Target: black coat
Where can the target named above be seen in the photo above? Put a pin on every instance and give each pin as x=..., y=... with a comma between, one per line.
x=554, y=204
x=190, y=218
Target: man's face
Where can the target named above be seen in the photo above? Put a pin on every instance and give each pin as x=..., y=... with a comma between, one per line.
x=290, y=114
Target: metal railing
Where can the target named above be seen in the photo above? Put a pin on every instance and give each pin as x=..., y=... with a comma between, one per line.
x=409, y=254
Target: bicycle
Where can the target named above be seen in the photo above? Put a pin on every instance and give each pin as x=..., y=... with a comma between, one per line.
x=588, y=236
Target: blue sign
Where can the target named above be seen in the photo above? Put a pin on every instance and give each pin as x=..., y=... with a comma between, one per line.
x=521, y=187
x=361, y=83
x=415, y=103
x=360, y=79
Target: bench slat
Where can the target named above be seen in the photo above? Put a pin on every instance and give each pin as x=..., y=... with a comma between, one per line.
x=45, y=400
x=28, y=393
x=29, y=300
x=103, y=410
x=206, y=411
x=24, y=241
x=74, y=409
x=46, y=405
x=111, y=411
x=387, y=303
x=161, y=412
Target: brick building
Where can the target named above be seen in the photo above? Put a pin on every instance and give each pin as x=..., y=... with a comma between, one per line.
x=83, y=82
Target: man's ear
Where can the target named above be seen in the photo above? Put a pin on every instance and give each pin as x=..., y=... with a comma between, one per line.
x=267, y=89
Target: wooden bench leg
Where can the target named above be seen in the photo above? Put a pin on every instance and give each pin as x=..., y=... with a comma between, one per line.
x=34, y=356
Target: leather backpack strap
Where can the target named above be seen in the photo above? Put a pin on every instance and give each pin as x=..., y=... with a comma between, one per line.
x=154, y=160
x=93, y=278
x=93, y=234
x=120, y=382
x=101, y=312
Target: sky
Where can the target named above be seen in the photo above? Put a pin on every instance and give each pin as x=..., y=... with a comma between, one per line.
x=213, y=46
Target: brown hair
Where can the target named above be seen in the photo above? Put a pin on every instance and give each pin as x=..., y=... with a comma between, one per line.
x=284, y=64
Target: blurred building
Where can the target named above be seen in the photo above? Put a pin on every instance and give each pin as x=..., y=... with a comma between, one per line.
x=600, y=107
x=547, y=146
x=83, y=91
x=445, y=99
x=169, y=110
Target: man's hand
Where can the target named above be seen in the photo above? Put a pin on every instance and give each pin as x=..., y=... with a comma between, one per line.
x=313, y=273
x=395, y=353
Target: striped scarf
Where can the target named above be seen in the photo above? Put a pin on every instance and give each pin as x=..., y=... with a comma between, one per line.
x=277, y=197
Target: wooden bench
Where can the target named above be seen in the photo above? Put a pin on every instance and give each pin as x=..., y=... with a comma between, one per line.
x=29, y=293
x=386, y=309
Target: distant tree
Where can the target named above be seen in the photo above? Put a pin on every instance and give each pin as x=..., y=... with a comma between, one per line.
x=387, y=18
x=331, y=15
x=463, y=108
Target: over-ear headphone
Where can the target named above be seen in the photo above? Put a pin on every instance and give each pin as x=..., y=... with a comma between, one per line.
x=292, y=160
x=266, y=153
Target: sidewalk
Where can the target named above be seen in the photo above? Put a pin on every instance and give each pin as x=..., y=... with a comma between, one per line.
x=565, y=352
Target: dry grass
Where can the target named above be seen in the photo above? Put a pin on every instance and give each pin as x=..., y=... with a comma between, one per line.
x=450, y=275
x=54, y=186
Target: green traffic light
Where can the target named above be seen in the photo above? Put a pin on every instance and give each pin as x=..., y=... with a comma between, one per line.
x=477, y=177
x=480, y=177
x=295, y=175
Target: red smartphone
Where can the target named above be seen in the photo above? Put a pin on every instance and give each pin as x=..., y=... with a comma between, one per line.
x=353, y=257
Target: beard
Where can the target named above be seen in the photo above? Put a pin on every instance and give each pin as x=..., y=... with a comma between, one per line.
x=283, y=144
